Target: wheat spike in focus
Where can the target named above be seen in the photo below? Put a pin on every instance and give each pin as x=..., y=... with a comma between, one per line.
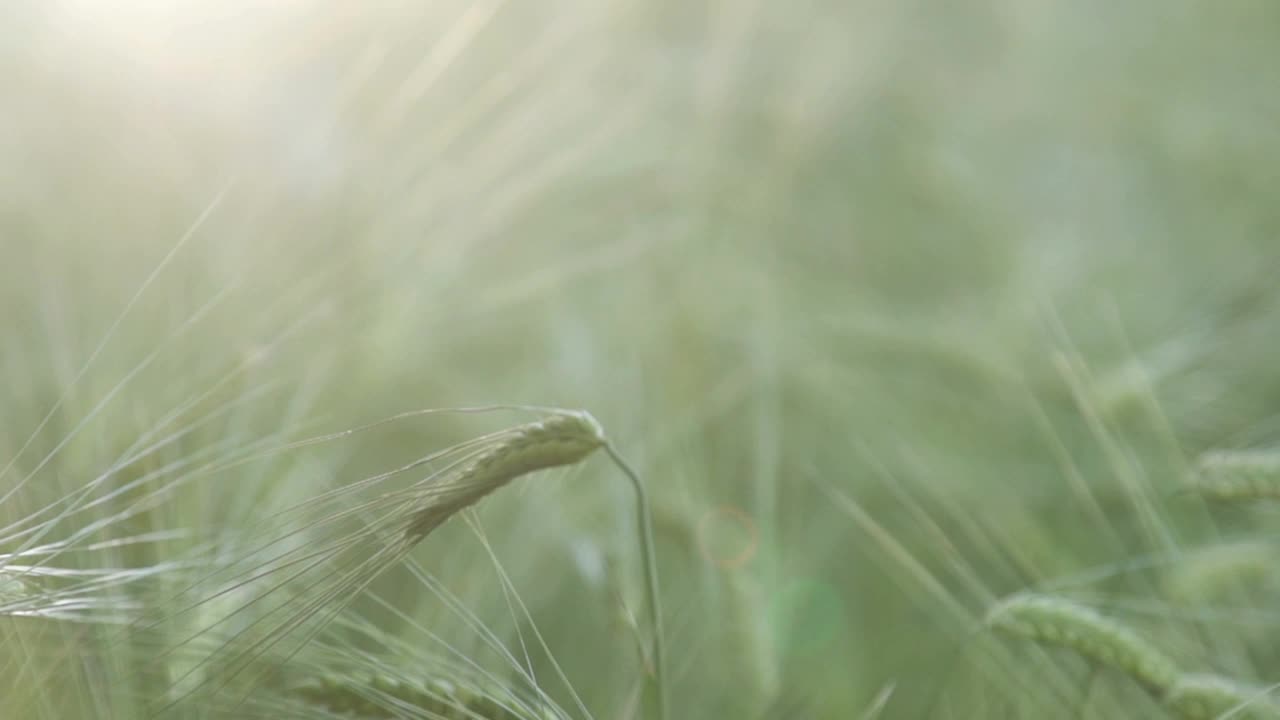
x=331, y=570
x=564, y=438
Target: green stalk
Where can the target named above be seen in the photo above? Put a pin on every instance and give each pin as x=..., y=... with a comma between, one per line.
x=657, y=687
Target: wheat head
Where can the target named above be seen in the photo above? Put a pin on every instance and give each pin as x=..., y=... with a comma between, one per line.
x=388, y=696
x=335, y=568
x=1209, y=697
x=564, y=438
x=1233, y=475
x=1057, y=621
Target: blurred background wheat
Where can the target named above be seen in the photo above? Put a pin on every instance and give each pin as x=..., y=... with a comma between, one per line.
x=899, y=308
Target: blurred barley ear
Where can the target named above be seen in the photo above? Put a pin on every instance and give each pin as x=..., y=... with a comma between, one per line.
x=1208, y=697
x=389, y=696
x=1057, y=621
x=1238, y=475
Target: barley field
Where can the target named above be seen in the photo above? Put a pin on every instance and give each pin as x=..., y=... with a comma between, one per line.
x=613, y=359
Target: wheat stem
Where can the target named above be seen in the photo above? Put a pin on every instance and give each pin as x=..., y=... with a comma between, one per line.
x=658, y=686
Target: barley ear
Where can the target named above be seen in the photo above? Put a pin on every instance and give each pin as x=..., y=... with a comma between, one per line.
x=1057, y=621
x=1214, y=572
x=562, y=438
x=364, y=695
x=1209, y=697
x=1233, y=475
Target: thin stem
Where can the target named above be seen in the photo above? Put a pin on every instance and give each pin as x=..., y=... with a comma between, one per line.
x=658, y=686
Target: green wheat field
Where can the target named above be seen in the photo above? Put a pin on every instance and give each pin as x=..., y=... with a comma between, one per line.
x=943, y=340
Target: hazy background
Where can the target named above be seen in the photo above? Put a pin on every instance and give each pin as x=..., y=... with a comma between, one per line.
x=991, y=272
